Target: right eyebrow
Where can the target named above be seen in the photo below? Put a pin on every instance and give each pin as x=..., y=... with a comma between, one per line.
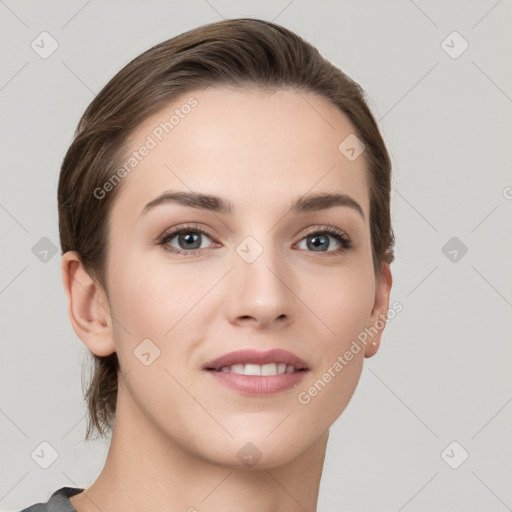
x=192, y=199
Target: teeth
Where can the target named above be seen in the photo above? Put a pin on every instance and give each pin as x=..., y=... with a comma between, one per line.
x=259, y=369
x=252, y=369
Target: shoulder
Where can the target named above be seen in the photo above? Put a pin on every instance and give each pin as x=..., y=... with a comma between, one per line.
x=58, y=502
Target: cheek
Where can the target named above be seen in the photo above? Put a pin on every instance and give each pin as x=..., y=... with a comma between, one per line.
x=343, y=305
x=153, y=308
x=150, y=299
x=161, y=302
x=342, y=302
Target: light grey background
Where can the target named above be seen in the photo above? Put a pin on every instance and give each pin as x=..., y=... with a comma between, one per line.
x=443, y=370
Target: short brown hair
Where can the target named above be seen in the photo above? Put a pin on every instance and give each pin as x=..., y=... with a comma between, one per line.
x=235, y=52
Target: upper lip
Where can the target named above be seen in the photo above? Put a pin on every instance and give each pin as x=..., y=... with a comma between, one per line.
x=250, y=356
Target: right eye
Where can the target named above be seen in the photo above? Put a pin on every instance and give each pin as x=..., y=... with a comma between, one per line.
x=188, y=238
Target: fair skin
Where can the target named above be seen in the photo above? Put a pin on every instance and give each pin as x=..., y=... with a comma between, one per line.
x=177, y=431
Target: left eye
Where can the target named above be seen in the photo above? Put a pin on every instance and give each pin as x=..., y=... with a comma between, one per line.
x=320, y=240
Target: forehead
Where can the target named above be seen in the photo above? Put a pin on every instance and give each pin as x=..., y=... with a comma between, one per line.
x=251, y=146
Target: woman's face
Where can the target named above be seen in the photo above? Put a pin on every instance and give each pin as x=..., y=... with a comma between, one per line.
x=262, y=276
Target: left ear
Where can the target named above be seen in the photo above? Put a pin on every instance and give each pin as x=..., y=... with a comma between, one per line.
x=379, y=314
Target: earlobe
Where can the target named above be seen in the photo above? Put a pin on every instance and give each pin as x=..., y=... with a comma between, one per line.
x=88, y=306
x=380, y=310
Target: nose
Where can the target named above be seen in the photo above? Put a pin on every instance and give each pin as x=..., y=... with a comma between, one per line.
x=261, y=293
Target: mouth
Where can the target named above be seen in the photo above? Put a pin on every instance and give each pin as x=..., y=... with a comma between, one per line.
x=255, y=373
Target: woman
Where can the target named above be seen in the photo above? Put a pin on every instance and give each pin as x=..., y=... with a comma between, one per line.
x=224, y=214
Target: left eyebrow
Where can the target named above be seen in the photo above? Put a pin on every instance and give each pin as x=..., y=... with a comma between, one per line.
x=316, y=202
x=303, y=204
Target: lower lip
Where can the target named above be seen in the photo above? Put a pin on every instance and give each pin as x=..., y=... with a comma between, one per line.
x=259, y=384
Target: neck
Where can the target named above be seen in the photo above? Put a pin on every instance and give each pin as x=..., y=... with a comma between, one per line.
x=147, y=470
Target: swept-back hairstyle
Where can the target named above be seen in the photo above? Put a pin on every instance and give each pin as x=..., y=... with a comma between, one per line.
x=235, y=52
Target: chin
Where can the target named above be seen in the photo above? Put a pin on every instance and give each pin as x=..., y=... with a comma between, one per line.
x=255, y=452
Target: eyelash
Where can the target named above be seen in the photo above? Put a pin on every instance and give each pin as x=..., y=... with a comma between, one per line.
x=340, y=236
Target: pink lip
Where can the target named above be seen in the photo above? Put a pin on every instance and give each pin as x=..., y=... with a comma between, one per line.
x=259, y=384
x=249, y=356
